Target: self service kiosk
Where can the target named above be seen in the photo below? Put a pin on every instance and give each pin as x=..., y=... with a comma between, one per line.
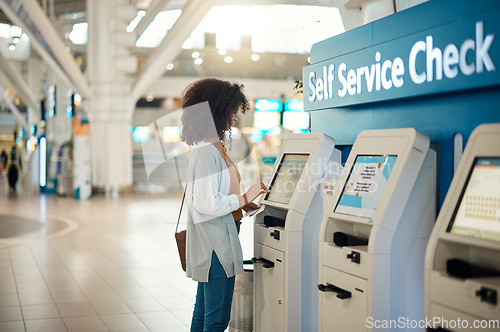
x=373, y=240
x=286, y=235
x=462, y=266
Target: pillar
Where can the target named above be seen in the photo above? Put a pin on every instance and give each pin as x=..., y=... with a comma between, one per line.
x=110, y=103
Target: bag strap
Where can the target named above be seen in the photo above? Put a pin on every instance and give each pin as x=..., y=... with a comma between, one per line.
x=180, y=211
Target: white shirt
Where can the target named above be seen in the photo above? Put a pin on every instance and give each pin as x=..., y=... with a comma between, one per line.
x=211, y=226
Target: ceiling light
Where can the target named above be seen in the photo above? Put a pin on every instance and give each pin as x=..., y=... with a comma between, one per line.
x=136, y=20
x=170, y=66
x=149, y=98
x=15, y=31
x=255, y=57
x=12, y=47
x=195, y=55
x=198, y=61
x=228, y=59
x=222, y=51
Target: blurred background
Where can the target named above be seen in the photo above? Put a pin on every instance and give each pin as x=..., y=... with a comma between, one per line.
x=118, y=66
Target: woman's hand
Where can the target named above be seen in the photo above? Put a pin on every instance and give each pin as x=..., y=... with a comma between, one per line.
x=255, y=191
x=250, y=206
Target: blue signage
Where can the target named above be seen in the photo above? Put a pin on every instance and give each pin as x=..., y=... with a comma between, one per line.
x=460, y=55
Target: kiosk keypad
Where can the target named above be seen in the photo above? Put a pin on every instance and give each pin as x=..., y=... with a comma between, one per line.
x=482, y=207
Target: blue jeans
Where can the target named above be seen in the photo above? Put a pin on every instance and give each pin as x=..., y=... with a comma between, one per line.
x=212, y=309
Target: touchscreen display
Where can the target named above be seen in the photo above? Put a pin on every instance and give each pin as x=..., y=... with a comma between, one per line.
x=365, y=185
x=478, y=212
x=286, y=178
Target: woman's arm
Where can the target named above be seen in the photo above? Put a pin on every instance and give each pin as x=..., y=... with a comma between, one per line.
x=207, y=198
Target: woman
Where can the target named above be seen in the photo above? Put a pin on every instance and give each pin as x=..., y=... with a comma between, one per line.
x=213, y=250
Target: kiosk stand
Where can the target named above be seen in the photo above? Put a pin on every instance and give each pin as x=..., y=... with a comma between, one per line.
x=286, y=233
x=462, y=263
x=373, y=240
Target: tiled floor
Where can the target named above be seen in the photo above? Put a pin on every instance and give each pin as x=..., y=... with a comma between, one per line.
x=104, y=264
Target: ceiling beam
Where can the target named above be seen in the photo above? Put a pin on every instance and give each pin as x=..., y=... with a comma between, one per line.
x=44, y=53
x=20, y=85
x=192, y=14
x=15, y=111
x=153, y=10
x=59, y=50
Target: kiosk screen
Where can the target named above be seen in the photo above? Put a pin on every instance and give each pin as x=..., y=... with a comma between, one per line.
x=478, y=213
x=286, y=178
x=365, y=185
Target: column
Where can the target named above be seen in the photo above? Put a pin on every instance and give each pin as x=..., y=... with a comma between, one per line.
x=110, y=104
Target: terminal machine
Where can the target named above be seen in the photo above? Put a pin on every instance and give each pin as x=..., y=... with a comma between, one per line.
x=373, y=240
x=286, y=234
x=462, y=266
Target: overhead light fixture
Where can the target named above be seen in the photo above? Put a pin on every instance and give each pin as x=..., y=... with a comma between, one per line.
x=228, y=59
x=149, y=98
x=255, y=57
x=136, y=20
x=77, y=99
x=198, y=61
x=15, y=31
x=15, y=40
x=12, y=47
x=222, y=51
x=195, y=55
x=170, y=66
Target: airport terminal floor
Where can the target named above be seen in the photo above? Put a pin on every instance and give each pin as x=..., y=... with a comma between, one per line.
x=104, y=264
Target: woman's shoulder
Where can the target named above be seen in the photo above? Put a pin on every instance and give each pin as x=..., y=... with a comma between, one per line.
x=204, y=150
